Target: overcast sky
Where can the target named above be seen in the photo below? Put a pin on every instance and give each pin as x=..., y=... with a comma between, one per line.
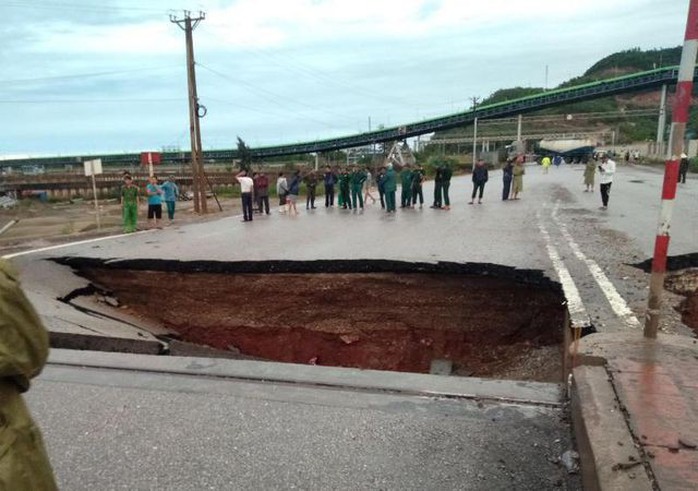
x=90, y=76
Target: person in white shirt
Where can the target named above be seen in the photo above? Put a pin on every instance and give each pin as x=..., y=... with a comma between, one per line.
x=246, y=186
x=607, y=169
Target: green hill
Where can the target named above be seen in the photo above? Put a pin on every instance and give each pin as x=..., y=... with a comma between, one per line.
x=629, y=129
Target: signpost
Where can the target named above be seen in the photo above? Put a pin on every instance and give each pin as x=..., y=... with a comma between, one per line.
x=93, y=167
x=150, y=159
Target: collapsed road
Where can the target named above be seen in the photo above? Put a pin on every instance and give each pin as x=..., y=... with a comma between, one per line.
x=370, y=435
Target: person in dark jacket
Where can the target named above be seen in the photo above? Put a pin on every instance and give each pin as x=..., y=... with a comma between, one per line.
x=683, y=168
x=406, y=188
x=446, y=174
x=507, y=176
x=344, y=189
x=438, y=187
x=480, y=176
x=294, y=189
x=329, y=179
x=262, y=192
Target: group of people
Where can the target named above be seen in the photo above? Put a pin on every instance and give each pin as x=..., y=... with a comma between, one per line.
x=156, y=193
x=353, y=187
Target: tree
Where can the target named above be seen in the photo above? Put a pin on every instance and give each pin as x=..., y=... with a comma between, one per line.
x=244, y=156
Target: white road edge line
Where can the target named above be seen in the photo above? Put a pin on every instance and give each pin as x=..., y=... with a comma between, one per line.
x=87, y=241
x=575, y=306
x=69, y=244
x=618, y=304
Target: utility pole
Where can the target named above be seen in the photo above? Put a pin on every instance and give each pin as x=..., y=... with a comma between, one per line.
x=682, y=104
x=475, y=101
x=661, y=122
x=188, y=24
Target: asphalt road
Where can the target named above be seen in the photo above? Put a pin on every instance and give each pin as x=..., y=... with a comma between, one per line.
x=553, y=213
x=115, y=429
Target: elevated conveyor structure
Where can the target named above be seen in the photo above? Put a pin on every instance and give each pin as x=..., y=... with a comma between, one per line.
x=651, y=79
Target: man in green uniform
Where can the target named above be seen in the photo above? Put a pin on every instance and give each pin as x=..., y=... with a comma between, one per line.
x=417, y=180
x=390, y=186
x=357, y=179
x=344, y=184
x=406, y=191
x=310, y=184
x=24, y=465
x=129, y=204
x=446, y=174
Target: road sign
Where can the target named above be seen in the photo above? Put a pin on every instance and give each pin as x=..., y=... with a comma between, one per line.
x=93, y=167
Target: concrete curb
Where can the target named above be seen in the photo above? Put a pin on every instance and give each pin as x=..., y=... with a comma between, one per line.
x=603, y=438
x=94, y=342
x=411, y=383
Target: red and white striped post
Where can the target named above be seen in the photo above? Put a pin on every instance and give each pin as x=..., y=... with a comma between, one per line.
x=682, y=103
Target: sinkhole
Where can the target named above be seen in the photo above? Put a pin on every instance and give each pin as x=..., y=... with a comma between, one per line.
x=475, y=319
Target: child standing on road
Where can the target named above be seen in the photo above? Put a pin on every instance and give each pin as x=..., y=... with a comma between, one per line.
x=129, y=204
x=154, y=192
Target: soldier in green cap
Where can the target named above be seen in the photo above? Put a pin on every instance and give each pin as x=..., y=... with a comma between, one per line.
x=357, y=179
x=406, y=183
x=24, y=465
x=390, y=186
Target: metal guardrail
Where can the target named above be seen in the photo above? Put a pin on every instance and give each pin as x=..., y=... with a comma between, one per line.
x=603, y=88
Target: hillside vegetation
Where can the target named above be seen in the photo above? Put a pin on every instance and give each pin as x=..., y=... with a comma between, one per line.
x=629, y=129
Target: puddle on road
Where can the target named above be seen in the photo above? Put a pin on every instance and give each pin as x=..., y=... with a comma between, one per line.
x=483, y=320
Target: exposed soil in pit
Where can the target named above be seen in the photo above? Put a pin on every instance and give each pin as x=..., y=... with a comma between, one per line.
x=685, y=283
x=487, y=327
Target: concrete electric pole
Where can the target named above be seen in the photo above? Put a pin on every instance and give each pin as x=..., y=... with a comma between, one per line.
x=475, y=101
x=682, y=104
x=188, y=24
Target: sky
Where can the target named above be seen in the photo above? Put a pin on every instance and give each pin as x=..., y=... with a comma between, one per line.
x=83, y=77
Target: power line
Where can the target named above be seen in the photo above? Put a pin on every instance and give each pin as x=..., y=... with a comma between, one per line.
x=82, y=101
x=81, y=7
x=80, y=75
x=313, y=73
x=277, y=99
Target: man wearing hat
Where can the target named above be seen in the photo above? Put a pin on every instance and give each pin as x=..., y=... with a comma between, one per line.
x=607, y=169
x=683, y=168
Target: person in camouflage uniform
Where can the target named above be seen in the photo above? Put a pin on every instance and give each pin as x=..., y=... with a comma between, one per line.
x=356, y=181
x=129, y=204
x=24, y=464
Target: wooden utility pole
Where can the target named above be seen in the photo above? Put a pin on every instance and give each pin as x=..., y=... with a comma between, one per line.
x=188, y=24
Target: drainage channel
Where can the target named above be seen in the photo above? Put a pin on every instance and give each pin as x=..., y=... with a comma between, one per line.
x=479, y=320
